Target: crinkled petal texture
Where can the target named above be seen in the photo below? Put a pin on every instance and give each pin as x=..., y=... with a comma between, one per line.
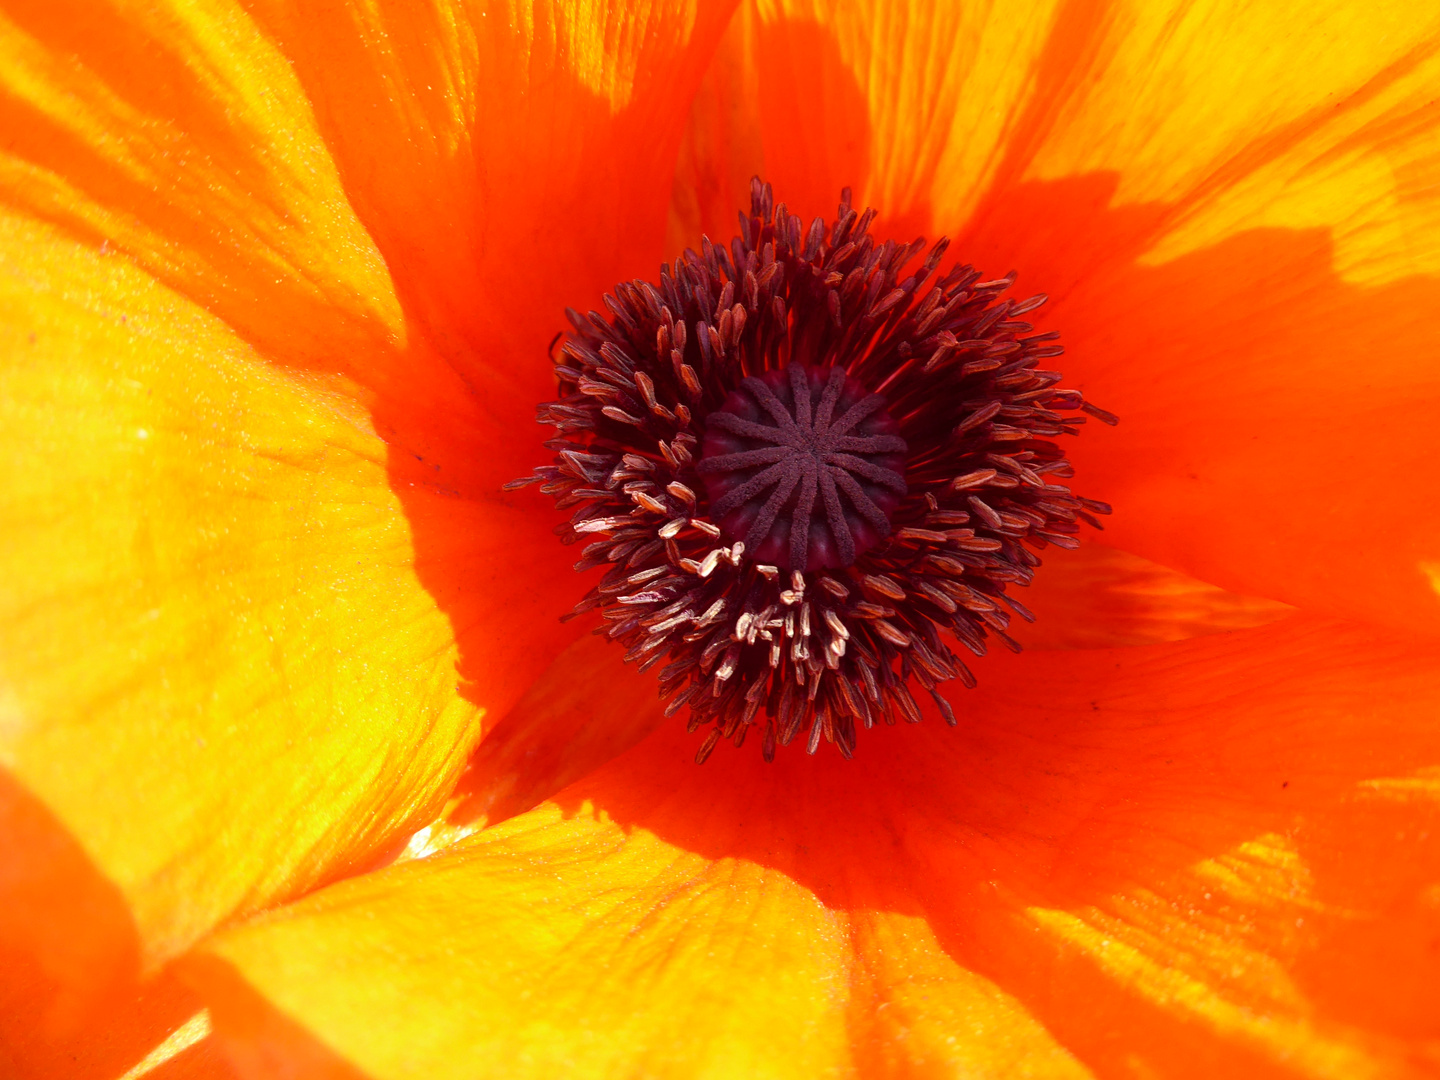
x=1210, y=856
x=272, y=331
x=1235, y=211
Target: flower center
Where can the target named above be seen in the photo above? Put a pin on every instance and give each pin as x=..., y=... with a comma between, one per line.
x=811, y=472
x=805, y=467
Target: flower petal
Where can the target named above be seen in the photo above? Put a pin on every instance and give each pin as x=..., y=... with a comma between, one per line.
x=1185, y=803
x=71, y=1004
x=561, y=730
x=1250, y=452
x=568, y=943
x=509, y=161
x=1100, y=597
x=218, y=669
x=1236, y=221
x=178, y=135
x=215, y=565
x=1219, y=211
x=1091, y=598
x=907, y=103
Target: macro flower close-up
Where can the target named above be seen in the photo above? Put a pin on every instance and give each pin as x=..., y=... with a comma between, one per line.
x=1021, y=416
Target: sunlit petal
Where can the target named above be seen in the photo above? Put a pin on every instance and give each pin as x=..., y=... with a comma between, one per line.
x=1109, y=856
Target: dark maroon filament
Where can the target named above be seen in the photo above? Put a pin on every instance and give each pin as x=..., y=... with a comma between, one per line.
x=805, y=467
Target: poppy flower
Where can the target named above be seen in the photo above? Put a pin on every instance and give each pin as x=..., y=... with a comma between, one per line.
x=278, y=281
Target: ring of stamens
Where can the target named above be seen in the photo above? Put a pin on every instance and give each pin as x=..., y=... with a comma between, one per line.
x=720, y=507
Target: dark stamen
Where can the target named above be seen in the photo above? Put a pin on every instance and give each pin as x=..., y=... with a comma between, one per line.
x=809, y=473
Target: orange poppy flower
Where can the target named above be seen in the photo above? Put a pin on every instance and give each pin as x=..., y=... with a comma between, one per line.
x=276, y=282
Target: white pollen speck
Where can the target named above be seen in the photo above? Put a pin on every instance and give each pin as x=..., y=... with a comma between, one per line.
x=141, y=433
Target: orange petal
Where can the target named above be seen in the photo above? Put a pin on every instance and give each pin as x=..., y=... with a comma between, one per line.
x=509, y=161
x=1219, y=202
x=218, y=668
x=1100, y=597
x=907, y=103
x=178, y=135
x=70, y=1002
x=1218, y=210
x=1186, y=803
x=1240, y=459
x=1091, y=598
x=561, y=730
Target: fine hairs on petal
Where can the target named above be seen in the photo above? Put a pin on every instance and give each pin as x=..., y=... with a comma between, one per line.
x=809, y=472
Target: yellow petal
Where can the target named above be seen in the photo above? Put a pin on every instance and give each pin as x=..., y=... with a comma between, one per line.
x=253, y=620
x=1294, y=115
x=218, y=669
x=1104, y=863
x=177, y=134
x=567, y=943
x=907, y=103
x=914, y=1011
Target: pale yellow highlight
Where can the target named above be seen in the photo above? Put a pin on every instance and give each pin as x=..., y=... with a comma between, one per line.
x=436, y=837
x=181, y=1039
x=602, y=52
x=1423, y=785
x=1431, y=570
x=1183, y=100
x=1218, y=950
x=1260, y=871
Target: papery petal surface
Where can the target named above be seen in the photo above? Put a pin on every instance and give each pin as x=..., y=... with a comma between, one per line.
x=1182, y=859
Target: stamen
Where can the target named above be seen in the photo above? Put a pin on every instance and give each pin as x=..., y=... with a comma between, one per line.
x=810, y=470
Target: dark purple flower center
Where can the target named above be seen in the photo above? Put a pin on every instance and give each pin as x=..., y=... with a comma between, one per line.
x=804, y=466
x=794, y=551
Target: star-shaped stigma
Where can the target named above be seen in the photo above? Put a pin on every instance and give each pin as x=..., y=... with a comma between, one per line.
x=805, y=466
